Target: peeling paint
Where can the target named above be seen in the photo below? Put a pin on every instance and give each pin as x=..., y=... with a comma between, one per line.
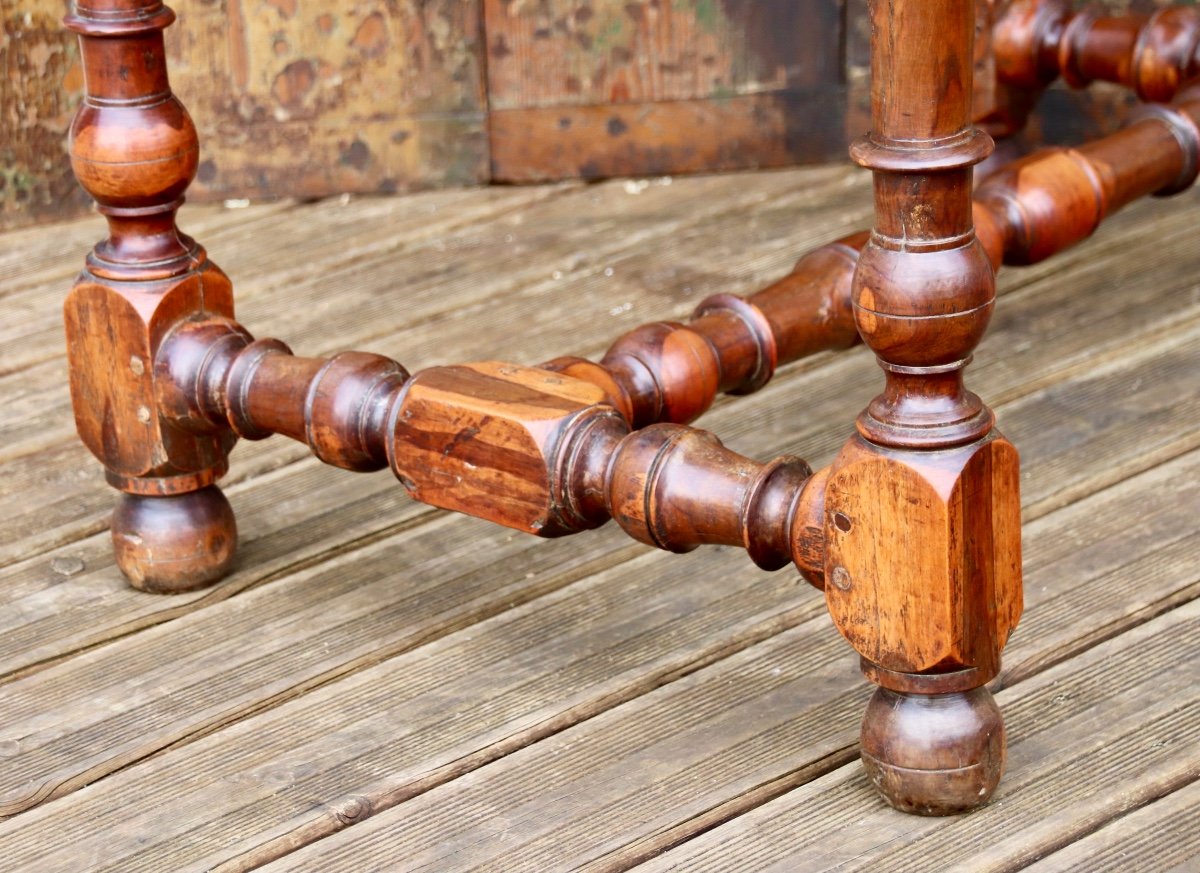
x=41, y=61
x=388, y=95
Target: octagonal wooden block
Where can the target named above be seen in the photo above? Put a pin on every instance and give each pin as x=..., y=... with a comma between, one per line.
x=484, y=439
x=114, y=330
x=923, y=561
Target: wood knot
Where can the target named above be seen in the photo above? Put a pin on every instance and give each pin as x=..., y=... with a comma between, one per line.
x=350, y=810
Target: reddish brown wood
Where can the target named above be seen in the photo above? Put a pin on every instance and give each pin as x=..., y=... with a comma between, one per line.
x=914, y=530
x=677, y=488
x=922, y=516
x=531, y=449
x=1055, y=198
x=134, y=149
x=174, y=543
x=214, y=376
x=1039, y=40
x=672, y=372
x=1023, y=213
x=914, y=746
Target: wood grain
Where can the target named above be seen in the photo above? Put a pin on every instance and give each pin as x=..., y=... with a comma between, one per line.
x=316, y=594
x=570, y=801
x=1163, y=830
x=1068, y=730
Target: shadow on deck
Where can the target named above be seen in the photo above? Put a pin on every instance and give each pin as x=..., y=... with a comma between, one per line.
x=381, y=686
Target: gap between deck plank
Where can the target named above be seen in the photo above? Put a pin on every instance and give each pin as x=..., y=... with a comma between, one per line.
x=579, y=797
x=1079, y=755
x=1097, y=507
x=1163, y=836
x=1068, y=322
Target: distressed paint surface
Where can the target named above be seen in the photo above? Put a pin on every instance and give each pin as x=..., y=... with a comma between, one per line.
x=311, y=99
x=290, y=98
x=576, y=52
x=41, y=83
x=665, y=137
x=597, y=88
x=308, y=99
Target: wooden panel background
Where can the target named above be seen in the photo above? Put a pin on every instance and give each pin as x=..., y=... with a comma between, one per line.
x=40, y=85
x=311, y=98
x=299, y=98
x=291, y=98
x=596, y=87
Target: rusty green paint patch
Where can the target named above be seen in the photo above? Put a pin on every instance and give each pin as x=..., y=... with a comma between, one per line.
x=709, y=16
x=40, y=61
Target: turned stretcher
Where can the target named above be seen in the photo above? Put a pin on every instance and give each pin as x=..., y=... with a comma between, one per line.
x=913, y=532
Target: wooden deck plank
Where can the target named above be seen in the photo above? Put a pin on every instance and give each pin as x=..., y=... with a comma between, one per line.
x=600, y=793
x=1069, y=327
x=305, y=240
x=1163, y=836
x=613, y=638
x=444, y=285
x=1103, y=373
x=1101, y=733
x=368, y=764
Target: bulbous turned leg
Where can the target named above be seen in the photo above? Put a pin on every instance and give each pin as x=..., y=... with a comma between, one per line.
x=135, y=150
x=922, y=505
x=934, y=754
x=923, y=560
x=170, y=544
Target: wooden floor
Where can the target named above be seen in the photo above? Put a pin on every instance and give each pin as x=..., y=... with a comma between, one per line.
x=381, y=686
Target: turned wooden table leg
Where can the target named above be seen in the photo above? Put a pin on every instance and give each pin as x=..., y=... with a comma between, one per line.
x=134, y=149
x=922, y=516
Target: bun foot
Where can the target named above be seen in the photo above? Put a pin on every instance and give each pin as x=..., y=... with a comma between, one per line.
x=167, y=545
x=937, y=754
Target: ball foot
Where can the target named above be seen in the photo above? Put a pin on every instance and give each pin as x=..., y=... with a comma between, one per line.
x=937, y=754
x=167, y=545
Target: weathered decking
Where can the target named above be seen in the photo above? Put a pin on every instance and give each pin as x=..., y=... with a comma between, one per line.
x=381, y=686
